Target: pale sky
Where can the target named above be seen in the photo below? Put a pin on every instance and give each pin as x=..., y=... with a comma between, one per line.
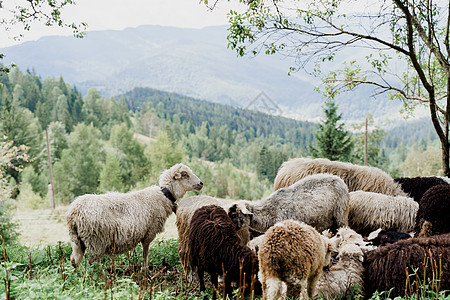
x=120, y=14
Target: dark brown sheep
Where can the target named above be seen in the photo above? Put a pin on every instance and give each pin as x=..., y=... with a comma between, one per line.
x=434, y=207
x=415, y=187
x=385, y=267
x=214, y=246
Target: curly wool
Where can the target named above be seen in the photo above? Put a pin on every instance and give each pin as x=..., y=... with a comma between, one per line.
x=294, y=254
x=320, y=200
x=370, y=211
x=415, y=187
x=385, y=266
x=434, y=207
x=369, y=179
x=214, y=246
x=186, y=210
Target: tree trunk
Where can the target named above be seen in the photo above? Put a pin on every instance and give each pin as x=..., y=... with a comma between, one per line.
x=445, y=161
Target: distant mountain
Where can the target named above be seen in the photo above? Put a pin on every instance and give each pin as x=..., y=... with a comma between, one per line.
x=192, y=62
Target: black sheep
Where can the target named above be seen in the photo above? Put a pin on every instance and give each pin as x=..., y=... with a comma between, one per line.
x=214, y=246
x=415, y=187
x=434, y=207
x=389, y=237
x=385, y=267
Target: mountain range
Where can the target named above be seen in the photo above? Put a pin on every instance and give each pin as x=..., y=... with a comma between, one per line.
x=191, y=62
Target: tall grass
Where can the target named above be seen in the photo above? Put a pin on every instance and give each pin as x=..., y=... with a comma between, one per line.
x=35, y=273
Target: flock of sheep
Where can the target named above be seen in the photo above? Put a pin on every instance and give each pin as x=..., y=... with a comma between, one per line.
x=328, y=226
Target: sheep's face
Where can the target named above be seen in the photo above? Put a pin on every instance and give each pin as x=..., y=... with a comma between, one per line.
x=187, y=179
x=240, y=216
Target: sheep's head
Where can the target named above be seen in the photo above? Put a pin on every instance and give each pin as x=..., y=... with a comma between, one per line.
x=179, y=179
x=240, y=215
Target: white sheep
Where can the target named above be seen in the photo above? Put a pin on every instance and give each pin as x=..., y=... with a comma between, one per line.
x=320, y=200
x=114, y=223
x=292, y=253
x=356, y=177
x=186, y=209
x=371, y=211
x=348, y=271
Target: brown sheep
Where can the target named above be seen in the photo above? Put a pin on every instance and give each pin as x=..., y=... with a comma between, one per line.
x=292, y=253
x=434, y=207
x=214, y=247
x=388, y=267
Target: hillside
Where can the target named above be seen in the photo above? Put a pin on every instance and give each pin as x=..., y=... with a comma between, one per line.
x=192, y=62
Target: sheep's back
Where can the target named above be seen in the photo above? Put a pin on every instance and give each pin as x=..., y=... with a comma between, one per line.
x=385, y=266
x=298, y=249
x=435, y=208
x=370, y=211
x=415, y=187
x=128, y=216
x=213, y=241
x=356, y=177
x=313, y=200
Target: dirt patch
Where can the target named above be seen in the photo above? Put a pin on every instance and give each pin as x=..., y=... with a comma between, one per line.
x=41, y=227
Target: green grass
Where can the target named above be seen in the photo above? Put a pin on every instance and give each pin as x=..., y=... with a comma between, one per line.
x=46, y=273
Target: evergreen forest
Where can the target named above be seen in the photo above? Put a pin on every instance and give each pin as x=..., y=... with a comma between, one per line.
x=121, y=143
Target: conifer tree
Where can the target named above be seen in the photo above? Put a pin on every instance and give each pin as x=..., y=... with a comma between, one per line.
x=333, y=141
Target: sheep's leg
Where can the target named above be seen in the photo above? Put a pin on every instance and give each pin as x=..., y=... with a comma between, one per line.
x=76, y=256
x=145, y=247
x=294, y=291
x=215, y=283
x=312, y=281
x=273, y=288
x=201, y=280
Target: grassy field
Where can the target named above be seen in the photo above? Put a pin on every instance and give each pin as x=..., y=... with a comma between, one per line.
x=38, y=267
x=41, y=227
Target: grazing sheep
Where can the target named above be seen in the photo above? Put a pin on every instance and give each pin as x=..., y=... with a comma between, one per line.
x=415, y=187
x=114, y=223
x=383, y=237
x=370, y=211
x=348, y=271
x=320, y=200
x=214, y=247
x=369, y=179
x=292, y=253
x=434, y=207
x=392, y=267
x=186, y=209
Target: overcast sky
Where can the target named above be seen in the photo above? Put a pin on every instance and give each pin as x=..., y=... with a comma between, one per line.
x=120, y=14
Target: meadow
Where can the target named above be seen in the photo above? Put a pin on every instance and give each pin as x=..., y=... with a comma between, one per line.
x=37, y=266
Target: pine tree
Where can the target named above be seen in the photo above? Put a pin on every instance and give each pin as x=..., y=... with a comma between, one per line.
x=333, y=141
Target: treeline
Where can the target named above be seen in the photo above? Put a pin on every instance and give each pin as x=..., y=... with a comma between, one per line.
x=100, y=144
x=121, y=143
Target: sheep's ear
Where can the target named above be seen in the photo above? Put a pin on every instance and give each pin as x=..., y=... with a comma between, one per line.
x=232, y=209
x=244, y=210
x=177, y=175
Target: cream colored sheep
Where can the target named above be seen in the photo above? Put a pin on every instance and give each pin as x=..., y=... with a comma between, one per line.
x=186, y=209
x=348, y=271
x=369, y=179
x=292, y=253
x=320, y=200
x=371, y=211
x=114, y=223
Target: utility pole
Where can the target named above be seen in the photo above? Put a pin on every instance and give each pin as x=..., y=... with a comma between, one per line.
x=50, y=186
x=366, y=134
